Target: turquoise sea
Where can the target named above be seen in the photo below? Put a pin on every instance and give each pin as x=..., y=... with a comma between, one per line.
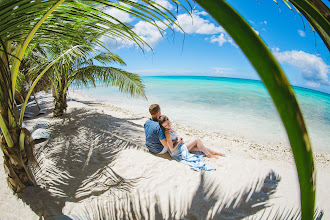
x=234, y=107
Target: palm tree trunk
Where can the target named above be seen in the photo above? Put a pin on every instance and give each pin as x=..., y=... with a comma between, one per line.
x=16, y=161
x=60, y=104
x=15, y=142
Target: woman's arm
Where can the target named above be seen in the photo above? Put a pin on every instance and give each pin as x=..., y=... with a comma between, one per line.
x=169, y=141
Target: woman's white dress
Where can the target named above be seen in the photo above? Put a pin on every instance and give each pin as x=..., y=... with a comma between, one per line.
x=182, y=155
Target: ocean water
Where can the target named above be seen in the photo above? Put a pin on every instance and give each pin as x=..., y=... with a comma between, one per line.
x=234, y=107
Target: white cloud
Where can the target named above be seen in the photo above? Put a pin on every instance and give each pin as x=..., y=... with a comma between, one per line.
x=257, y=32
x=312, y=67
x=204, y=13
x=221, y=39
x=194, y=24
x=115, y=43
x=166, y=4
x=120, y=15
x=148, y=32
x=313, y=84
x=221, y=70
x=163, y=72
x=301, y=33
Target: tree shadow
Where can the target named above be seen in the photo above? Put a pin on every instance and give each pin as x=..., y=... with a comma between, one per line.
x=246, y=202
x=32, y=110
x=204, y=204
x=75, y=163
x=76, y=166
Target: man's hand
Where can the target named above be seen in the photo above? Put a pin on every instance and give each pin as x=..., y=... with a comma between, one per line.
x=178, y=142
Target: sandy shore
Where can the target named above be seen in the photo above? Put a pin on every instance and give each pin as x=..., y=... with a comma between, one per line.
x=96, y=164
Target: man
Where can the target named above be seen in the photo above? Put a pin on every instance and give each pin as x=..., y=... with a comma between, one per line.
x=155, y=137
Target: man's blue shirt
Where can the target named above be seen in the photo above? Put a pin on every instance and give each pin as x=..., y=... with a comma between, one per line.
x=154, y=134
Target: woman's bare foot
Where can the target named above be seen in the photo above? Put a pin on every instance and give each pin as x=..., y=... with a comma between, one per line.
x=210, y=155
x=218, y=154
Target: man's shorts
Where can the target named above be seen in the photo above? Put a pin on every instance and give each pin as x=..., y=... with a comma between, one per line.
x=165, y=149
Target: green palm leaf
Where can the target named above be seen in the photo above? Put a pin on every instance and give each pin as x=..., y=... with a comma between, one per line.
x=66, y=55
x=280, y=90
x=317, y=14
x=127, y=82
x=106, y=58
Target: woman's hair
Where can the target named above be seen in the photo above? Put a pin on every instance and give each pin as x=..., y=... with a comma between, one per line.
x=162, y=119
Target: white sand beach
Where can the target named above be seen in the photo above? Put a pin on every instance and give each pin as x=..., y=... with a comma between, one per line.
x=96, y=166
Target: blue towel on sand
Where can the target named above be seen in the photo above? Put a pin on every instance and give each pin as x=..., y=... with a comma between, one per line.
x=196, y=162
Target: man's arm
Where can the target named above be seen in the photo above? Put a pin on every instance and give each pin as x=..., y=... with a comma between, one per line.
x=163, y=142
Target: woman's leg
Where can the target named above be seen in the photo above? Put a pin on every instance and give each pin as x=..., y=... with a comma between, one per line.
x=197, y=145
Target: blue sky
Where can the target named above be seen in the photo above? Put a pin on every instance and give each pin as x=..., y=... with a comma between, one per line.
x=206, y=49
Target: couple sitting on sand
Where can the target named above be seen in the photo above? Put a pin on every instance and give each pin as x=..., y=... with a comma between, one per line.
x=162, y=138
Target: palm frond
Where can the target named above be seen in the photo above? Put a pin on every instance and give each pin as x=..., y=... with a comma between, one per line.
x=107, y=58
x=318, y=15
x=127, y=82
x=88, y=13
x=67, y=55
x=280, y=90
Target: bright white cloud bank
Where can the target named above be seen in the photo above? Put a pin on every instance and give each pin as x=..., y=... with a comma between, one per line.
x=120, y=15
x=191, y=24
x=312, y=67
x=166, y=4
x=221, y=39
x=195, y=24
x=148, y=32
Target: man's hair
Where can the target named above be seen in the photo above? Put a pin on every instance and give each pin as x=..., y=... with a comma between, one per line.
x=153, y=109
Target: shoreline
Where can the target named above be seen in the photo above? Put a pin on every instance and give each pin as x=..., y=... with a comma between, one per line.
x=265, y=151
x=96, y=145
x=259, y=125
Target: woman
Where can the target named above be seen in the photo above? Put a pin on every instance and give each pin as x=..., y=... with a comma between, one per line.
x=192, y=145
x=182, y=151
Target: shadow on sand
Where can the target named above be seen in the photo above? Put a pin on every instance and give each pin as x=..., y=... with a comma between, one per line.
x=76, y=165
x=76, y=162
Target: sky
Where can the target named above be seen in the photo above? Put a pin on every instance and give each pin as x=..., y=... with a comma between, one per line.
x=205, y=49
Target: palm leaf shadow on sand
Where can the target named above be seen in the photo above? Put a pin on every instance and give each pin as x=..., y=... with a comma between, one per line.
x=76, y=166
x=248, y=203
x=76, y=162
x=204, y=204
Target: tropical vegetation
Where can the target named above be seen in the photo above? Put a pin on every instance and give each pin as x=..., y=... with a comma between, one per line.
x=82, y=69
x=25, y=22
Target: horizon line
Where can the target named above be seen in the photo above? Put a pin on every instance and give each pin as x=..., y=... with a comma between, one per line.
x=248, y=79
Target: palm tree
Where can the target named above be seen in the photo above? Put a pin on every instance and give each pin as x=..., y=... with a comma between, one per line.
x=23, y=22
x=82, y=69
x=35, y=57
x=20, y=21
